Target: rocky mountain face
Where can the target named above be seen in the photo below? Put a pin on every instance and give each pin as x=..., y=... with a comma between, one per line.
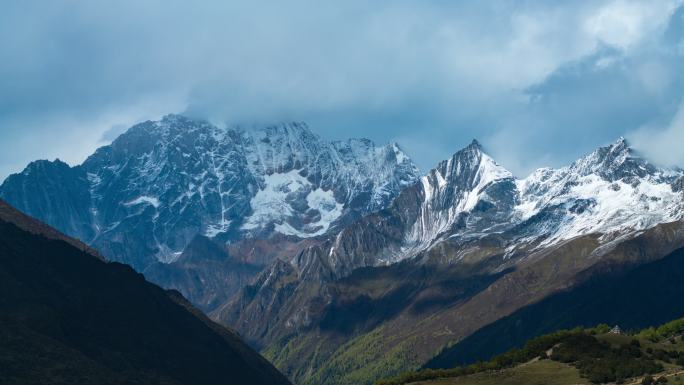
x=69, y=317
x=59, y=193
x=205, y=273
x=465, y=245
x=145, y=197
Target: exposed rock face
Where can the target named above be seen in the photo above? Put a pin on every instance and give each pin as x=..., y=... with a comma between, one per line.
x=57, y=192
x=146, y=196
x=205, y=273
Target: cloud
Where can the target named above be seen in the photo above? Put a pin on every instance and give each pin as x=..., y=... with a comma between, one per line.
x=662, y=144
x=616, y=89
x=521, y=76
x=624, y=24
x=113, y=132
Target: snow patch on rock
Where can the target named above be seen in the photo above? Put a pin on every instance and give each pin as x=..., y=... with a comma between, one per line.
x=275, y=202
x=324, y=202
x=153, y=201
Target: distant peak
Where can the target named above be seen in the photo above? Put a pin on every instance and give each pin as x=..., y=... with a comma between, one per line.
x=44, y=163
x=396, y=147
x=616, y=150
x=472, y=157
x=615, y=161
x=171, y=116
x=620, y=144
x=283, y=127
x=400, y=155
x=174, y=118
x=474, y=149
x=475, y=144
x=620, y=149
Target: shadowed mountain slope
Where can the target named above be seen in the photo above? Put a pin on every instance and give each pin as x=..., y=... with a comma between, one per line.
x=67, y=317
x=635, y=298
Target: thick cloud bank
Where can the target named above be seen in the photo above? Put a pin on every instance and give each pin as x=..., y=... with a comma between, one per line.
x=537, y=82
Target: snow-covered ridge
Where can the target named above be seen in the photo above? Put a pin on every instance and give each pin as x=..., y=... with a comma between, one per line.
x=611, y=191
x=455, y=187
x=175, y=178
x=148, y=194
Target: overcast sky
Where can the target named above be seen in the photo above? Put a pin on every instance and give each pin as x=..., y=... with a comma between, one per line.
x=537, y=82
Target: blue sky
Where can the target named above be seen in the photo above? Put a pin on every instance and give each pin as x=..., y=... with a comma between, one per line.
x=537, y=82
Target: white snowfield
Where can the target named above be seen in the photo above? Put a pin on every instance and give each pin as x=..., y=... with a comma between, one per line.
x=274, y=204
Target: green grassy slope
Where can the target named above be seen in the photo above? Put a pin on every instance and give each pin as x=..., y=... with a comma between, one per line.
x=578, y=356
x=544, y=372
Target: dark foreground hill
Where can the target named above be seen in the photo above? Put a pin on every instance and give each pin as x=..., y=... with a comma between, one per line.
x=67, y=317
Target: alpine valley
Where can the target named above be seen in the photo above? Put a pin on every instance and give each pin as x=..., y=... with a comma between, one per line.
x=343, y=264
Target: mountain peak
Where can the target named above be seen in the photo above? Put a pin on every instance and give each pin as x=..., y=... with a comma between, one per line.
x=621, y=145
x=173, y=121
x=173, y=117
x=470, y=170
x=615, y=161
x=474, y=146
x=471, y=157
x=295, y=135
x=399, y=154
x=40, y=167
x=47, y=163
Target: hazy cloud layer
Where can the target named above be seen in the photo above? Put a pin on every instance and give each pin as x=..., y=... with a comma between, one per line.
x=537, y=82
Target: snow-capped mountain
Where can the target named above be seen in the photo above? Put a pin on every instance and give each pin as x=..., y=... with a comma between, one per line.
x=612, y=192
x=469, y=192
x=147, y=195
